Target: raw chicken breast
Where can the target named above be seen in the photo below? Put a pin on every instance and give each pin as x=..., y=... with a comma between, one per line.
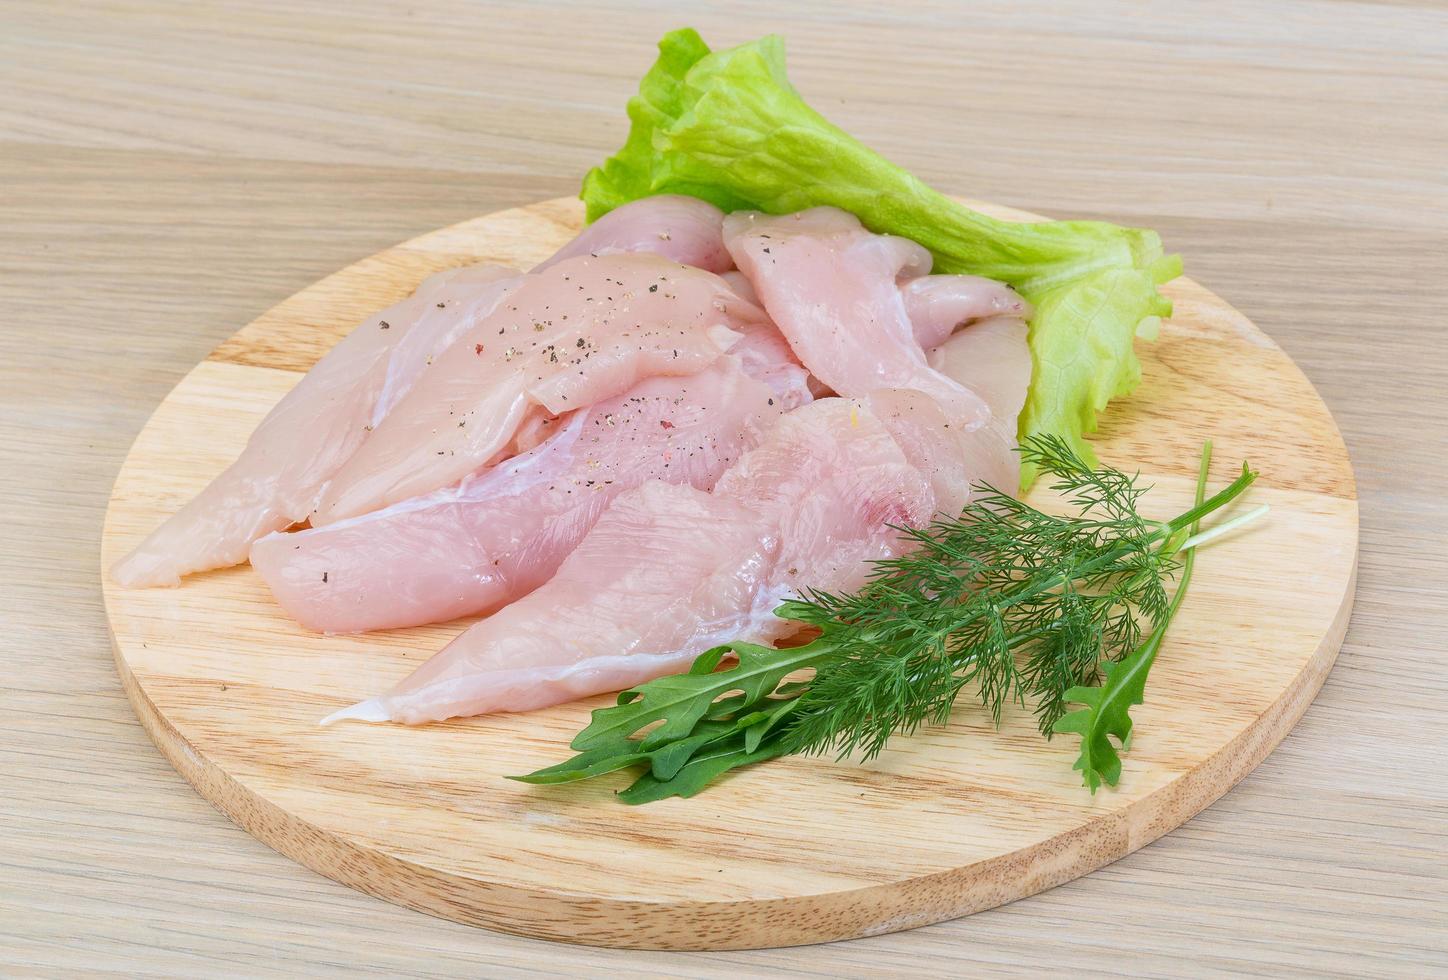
x=438, y=326
x=930, y=443
x=669, y=571
x=766, y=357
x=833, y=477
x=503, y=532
x=937, y=305
x=684, y=229
x=992, y=358
x=624, y=606
x=537, y=427
x=741, y=285
x=581, y=331
x=831, y=287
x=312, y=430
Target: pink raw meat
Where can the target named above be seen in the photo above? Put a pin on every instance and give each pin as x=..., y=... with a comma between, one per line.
x=670, y=570
x=992, y=358
x=581, y=331
x=322, y=421
x=832, y=288
x=937, y=305
x=684, y=229
x=311, y=432
x=504, y=531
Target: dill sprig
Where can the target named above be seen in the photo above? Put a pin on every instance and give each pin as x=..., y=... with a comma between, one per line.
x=1017, y=604
x=1009, y=599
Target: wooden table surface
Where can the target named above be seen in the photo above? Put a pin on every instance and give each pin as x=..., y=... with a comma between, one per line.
x=168, y=171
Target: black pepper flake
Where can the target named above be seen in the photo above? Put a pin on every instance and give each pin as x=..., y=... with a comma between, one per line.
x=441, y=306
x=324, y=577
x=384, y=325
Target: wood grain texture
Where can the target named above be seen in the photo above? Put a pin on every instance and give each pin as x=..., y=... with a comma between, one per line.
x=941, y=825
x=169, y=170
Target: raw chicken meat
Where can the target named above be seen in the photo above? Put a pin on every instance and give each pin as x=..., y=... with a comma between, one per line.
x=832, y=289
x=684, y=229
x=439, y=324
x=992, y=358
x=322, y=421
x=937, y=305
x=741, y=285
x=504, y=531
x=312, y=430
x=670, y=570
x=930, y=443
x=635, y=600
x=535, y=429
x=581, y=331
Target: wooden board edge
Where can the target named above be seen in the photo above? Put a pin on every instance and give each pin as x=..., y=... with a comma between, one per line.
x=795, y=921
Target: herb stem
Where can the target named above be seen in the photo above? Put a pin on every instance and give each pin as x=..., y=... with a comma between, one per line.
x=1189, y=519
x=1226, y=527
x=1217, y=501
x=1191, y=555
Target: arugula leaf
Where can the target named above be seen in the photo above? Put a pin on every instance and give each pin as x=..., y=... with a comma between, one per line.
x=703, y=769
x=663, y=760
x=1108, y=706
x=728, y=127
x=682, y=700
x=1107, y=712
x=708, y=748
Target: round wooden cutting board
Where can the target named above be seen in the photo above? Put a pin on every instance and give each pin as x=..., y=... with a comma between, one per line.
x=799, y=850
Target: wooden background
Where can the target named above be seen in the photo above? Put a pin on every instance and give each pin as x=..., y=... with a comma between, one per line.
x=169, y=171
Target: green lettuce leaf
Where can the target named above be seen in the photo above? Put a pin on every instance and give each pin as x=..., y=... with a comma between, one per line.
x=631, y=172
x=728, y=127
x=1082, y=356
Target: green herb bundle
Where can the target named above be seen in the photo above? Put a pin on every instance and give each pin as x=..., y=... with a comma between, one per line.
x=1018, y=605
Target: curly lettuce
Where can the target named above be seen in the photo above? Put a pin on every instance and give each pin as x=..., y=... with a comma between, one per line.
x=728, y=127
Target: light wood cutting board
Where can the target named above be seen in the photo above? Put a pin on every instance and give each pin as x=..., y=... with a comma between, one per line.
x=949, y=822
